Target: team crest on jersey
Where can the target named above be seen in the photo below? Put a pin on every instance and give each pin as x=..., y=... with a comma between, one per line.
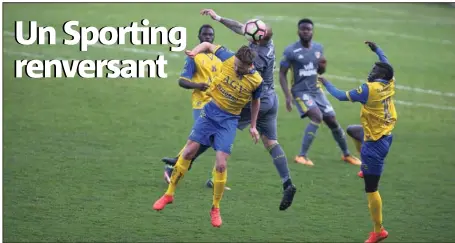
x=310, y=102
x=213, y=68
x=317, y=54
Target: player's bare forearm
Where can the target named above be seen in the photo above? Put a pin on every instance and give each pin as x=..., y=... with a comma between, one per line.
x=233, y=25
x=187, y=84
x=203, y=47
x=255, y=105
x=284, y=82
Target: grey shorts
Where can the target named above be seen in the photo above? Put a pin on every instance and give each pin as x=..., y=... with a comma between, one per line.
x=266, y=122
x=306, y=100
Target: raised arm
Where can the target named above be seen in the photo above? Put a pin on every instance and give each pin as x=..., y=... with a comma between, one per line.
x=233, y=25
x=375, y=48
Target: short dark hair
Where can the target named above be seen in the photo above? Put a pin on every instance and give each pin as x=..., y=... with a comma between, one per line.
x=246, y=55
x=305, y=21
x=387, y=68
x=206, y=26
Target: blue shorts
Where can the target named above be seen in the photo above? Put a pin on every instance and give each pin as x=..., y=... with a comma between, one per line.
x=196, y=114
x=373, y=154
x=216, y=128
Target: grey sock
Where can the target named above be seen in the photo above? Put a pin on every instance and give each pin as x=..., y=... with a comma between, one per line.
x=340, y=138
x=280, y=161
x=310, y=133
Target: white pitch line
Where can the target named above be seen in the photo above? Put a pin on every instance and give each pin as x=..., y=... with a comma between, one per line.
x=356, y=30
x=401, y=102
x=398, y=86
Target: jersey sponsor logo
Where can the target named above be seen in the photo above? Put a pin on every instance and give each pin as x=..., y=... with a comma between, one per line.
x=308, y=70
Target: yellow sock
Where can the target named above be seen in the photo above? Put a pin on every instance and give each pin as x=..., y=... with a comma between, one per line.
x=180, y=168
x=219, y=182
x=357, y=144
x=375, y=206
x=181, y=151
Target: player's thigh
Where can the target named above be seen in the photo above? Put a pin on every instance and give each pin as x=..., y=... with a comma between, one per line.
x=304, y=103
x=225, y=136
x=245, y=118
x=373, y=154
x=324, y=105
x=267, y=122
x=202, y=131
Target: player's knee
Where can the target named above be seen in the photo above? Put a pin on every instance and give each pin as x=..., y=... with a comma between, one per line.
x=315, y=115
x=350, y=130
x=190, y=150
x=221, y=161
x=331, y=122
x=268, y=142
x=371, y=182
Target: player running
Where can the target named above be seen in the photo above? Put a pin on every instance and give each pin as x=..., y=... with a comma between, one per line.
x=237, y=84
x=306, y=60
x=197, y=75
x=378, y=117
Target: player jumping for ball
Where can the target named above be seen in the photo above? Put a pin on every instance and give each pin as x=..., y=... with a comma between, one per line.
x=267, y=119
x=378, y=117
x=306, y=60
x=236, y=85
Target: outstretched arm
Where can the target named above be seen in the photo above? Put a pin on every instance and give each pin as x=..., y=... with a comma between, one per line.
x=233, y=25
x=375, y=48
x=355, y=95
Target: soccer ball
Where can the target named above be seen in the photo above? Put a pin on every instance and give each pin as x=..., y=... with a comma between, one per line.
x=254, y=30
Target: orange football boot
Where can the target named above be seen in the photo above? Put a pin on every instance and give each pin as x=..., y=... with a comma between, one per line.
x=303, y=160
x=216, y=217
x=377, y=237
x=360, y=174
x=162, y=202
x=351, y=160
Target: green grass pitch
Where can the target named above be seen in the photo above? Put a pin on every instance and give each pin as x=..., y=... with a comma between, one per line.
x=81, y=157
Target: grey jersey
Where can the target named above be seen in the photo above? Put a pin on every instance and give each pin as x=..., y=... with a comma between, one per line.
x=264, y=63
x=304, y=65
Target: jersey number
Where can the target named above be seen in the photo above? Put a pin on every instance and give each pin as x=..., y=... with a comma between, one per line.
x=386, y=104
